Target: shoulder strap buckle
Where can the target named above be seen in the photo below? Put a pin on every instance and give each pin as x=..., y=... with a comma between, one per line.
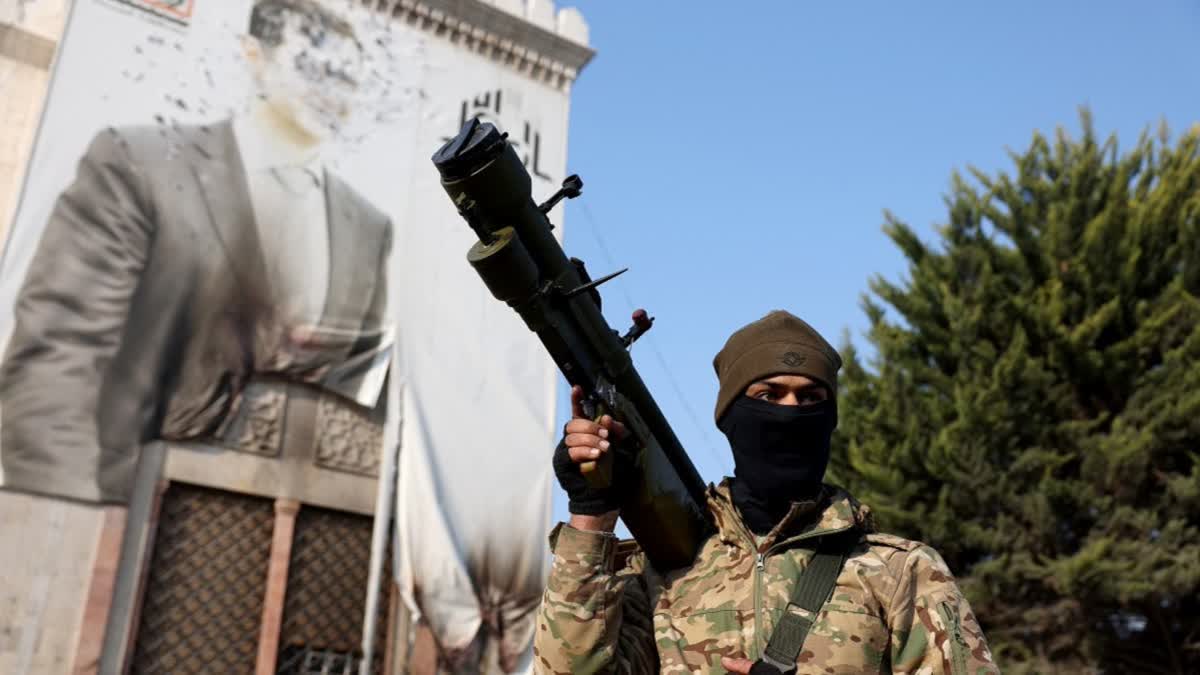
x=782, y=668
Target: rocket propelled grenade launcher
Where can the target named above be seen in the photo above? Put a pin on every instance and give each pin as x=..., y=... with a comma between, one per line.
x=523, y=264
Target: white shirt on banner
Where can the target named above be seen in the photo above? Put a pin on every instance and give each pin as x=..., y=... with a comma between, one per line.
x=287, y=192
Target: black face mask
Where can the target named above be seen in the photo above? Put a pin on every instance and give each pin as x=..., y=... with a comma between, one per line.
x=780, y=453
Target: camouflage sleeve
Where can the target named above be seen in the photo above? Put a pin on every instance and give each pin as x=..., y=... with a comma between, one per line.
x=933, y=629
x=593, y=619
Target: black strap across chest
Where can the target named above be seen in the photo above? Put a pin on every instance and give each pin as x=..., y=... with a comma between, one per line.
x=812, y=590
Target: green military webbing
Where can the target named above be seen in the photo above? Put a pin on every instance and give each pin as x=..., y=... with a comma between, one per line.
x=811, y=591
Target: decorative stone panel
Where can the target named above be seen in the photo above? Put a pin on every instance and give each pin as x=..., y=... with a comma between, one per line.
x=349, y=438
x=258, y=427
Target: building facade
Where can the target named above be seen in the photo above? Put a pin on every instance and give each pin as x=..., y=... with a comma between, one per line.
x=232, y=558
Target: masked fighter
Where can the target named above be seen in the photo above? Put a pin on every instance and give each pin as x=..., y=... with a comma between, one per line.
x=795, y=579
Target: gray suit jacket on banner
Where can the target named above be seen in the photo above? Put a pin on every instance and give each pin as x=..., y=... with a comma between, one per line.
x=146, y=309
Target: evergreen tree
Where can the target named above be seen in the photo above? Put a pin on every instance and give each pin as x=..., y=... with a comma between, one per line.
x=1033, y=407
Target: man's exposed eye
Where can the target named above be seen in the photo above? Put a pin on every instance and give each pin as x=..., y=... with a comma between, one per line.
x=765, y=395
x=811, y=397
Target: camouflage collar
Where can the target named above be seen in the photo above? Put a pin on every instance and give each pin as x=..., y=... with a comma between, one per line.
x=838, y=511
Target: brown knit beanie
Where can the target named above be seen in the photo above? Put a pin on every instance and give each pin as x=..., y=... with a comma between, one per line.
x=777, y=344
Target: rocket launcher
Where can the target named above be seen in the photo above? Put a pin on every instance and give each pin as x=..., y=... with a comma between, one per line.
x=522, y=264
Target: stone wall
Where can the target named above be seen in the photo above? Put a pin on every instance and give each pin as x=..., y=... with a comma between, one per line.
x=29, y=33
x=47, y=551
x=48, y=547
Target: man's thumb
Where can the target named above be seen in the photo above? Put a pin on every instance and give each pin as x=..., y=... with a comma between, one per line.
x=737, y=665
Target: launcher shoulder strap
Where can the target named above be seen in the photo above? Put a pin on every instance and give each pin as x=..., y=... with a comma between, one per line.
x=813, y=588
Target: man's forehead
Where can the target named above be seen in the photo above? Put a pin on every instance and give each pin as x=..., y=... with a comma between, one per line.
x=788, y=380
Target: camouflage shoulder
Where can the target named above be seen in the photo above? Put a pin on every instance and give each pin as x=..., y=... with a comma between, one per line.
x=892, y=541
x=861, y=514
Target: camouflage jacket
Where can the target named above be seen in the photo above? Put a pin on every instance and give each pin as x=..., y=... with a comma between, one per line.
x=895, y=608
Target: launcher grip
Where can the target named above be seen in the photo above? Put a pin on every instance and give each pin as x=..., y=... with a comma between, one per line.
x=599, y=472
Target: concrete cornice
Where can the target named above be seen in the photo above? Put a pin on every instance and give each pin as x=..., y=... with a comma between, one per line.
x=25, y=46
x=527, y=35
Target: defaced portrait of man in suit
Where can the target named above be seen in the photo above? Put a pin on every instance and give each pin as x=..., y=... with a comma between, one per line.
x=213, y=285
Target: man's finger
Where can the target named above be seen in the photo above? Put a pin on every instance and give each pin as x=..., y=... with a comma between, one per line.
x=742, y=666
x=585, y=441
x=580, y=425
x=582, y=453
x=577, y=401
x=616, y=429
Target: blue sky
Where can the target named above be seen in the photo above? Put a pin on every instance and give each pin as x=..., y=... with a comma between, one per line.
x=738, y=156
